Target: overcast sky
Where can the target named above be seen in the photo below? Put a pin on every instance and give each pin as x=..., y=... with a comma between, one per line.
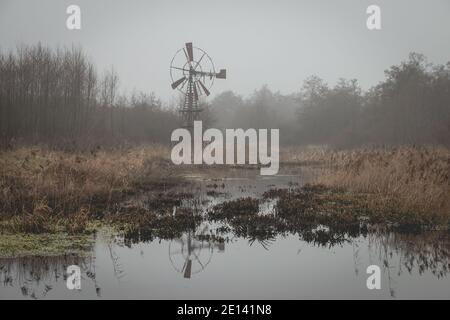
x=278, y=43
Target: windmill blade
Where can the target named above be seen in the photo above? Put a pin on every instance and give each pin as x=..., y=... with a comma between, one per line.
x=199, y=89
x=190, y=51
x=178, y=82
x=204, y=88
x=182, y=86
x=187, y=270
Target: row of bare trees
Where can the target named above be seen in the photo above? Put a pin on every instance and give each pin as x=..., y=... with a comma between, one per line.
x=55, y=96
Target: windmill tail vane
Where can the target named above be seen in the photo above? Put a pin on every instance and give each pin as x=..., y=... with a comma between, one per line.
x=193, y=73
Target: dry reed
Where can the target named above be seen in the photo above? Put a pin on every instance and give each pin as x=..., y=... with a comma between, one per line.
x=38, y=185
x=413, y=181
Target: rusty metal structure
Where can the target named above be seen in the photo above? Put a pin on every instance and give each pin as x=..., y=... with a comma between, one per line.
x=192, y=72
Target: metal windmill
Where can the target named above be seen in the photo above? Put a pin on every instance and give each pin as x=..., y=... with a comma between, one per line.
x=193, y=73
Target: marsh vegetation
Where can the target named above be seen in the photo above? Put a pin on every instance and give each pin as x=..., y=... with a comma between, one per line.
x=277, y=224
x=138, y=191
x=78, y=160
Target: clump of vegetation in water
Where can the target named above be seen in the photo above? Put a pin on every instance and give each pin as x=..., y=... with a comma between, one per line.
x=317, y=213
x=234, y=208
x=148, y=226
x=259, y=228
x=164, y=202
x=215, y=185
x=215, y=194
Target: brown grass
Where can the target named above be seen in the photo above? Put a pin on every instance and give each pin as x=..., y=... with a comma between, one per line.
x=38, y=185
x=408, y=180
x=44, y=190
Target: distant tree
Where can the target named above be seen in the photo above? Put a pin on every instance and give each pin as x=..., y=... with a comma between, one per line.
x=224, y=107
x=327, y=115
x=412, y=105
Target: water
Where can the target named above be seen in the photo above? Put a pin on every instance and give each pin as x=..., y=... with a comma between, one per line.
x=280, y=267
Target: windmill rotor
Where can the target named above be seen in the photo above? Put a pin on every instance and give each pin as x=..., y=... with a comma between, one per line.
x=190, y=256
x=193, y=73
x=191, y=253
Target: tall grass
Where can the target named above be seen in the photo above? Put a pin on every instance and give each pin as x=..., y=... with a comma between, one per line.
x=408, y=180
x=38, y=184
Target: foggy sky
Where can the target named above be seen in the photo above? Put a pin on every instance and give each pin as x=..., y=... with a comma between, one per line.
x=278, y=43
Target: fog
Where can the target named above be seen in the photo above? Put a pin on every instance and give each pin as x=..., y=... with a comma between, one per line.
x=278, y=43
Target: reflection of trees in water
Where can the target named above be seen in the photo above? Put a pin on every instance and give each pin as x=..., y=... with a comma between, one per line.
x=411, y=252
x=428, y=251
x=399, y=252
x=36, y=275
x=259, y=229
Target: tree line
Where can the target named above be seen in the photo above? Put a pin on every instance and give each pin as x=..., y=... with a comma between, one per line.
x=410, y=106
x=58, y=97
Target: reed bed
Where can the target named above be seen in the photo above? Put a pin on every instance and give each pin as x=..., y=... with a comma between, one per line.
x=410, y=180
x=39, y=186
x=44, y=190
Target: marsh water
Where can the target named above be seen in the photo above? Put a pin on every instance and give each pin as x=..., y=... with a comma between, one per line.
x=213, y=261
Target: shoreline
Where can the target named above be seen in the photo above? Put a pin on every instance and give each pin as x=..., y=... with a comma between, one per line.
x=114, y=198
